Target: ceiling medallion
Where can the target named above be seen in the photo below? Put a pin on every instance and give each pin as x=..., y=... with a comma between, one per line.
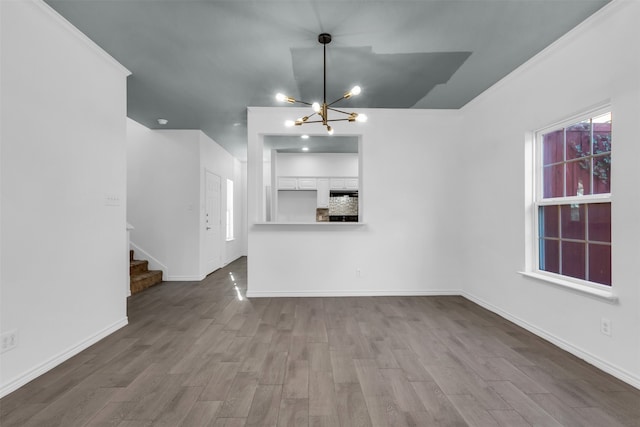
x=323, y=109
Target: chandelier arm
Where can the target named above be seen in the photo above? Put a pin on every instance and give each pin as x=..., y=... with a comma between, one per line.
x=314, y=121
x=303, y=102
x=340, y=111
x=337, y=120
x=336, y=101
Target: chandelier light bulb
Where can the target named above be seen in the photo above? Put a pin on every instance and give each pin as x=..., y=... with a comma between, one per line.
x=329, y=130
x=316, y=107
x=361, y=118
x=281, y=97
x=356, y=90
x=289, y=123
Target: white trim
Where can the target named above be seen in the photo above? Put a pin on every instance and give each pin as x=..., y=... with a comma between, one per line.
x=563, y=281
x=46, y=366
x=336, y=293
x=576, y=200
x=572, y=119
x=153, y=262
x=321, y=224
x=185, y=278
x=592, y=359
x=81, y=36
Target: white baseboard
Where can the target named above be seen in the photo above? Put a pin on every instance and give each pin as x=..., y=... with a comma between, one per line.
x=154, y=264
x=599, y=363
x=185, y=278
x=335, y=293
x=32, y=374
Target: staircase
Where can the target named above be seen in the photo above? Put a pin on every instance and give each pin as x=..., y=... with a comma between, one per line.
x=141, y=277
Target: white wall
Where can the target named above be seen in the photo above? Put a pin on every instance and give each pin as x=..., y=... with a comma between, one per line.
x=166, y=172
x=163, y=205
x=64, y=261
x=317, y=164
x=564, y=80
x=216, y=159
x=297, y=206
x=399, y=250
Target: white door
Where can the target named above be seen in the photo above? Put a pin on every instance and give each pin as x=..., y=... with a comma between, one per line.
x=213, y=227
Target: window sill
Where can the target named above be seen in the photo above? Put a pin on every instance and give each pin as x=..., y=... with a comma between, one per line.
x=600, y=293
x=313, y=224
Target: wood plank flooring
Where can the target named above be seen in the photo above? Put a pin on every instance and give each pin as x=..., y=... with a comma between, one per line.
x=195, y=355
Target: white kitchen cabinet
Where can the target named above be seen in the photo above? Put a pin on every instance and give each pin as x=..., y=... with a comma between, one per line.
x=337, y=183
x=296, y=183
x=307, y=183
x=351, y=183
x=285, y=183
x=344, y=183
x=323, y=192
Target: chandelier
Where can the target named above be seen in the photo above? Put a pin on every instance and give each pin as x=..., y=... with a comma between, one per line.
x=322, y=110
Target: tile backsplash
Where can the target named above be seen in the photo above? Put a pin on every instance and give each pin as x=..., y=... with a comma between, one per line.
x=343, y=205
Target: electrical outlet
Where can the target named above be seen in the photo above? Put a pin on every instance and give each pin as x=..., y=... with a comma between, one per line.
x=8, y=341
x=605, y=326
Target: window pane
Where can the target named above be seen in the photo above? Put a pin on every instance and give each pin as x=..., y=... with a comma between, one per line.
x=549, y=221
x=573, y=259
x=602, y=174
x=553, y=147
x=601, y=138
x=600, y=264
x=573, y=221
x=600, y=222
x=550, y=255
x=578, y=178
x=578, y=141
x=553, y=181
x=575, y=238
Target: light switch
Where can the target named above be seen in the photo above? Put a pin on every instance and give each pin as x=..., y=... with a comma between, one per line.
x=111, y=200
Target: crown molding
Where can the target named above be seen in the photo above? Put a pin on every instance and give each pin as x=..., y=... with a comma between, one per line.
x=71, y=29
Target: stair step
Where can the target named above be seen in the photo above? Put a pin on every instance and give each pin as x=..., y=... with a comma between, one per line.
x=142, y=281
x=138, y=266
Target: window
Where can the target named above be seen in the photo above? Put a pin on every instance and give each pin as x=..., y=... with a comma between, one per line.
x=230, y=235
x=573, y=200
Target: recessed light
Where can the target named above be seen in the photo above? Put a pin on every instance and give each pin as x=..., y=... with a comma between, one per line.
x=304, y=136
x=305, y=148
x=163, y=121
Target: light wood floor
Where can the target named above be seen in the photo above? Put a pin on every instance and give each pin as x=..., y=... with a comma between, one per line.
x=194, y=355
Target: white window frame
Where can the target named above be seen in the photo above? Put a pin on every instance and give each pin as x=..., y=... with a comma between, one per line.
x=533, y=254
x=230, y=231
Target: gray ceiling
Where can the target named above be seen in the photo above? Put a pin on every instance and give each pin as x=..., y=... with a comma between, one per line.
x=199, y=64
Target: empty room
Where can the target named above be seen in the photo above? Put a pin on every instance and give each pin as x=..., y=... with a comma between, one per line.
x=319, y=213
